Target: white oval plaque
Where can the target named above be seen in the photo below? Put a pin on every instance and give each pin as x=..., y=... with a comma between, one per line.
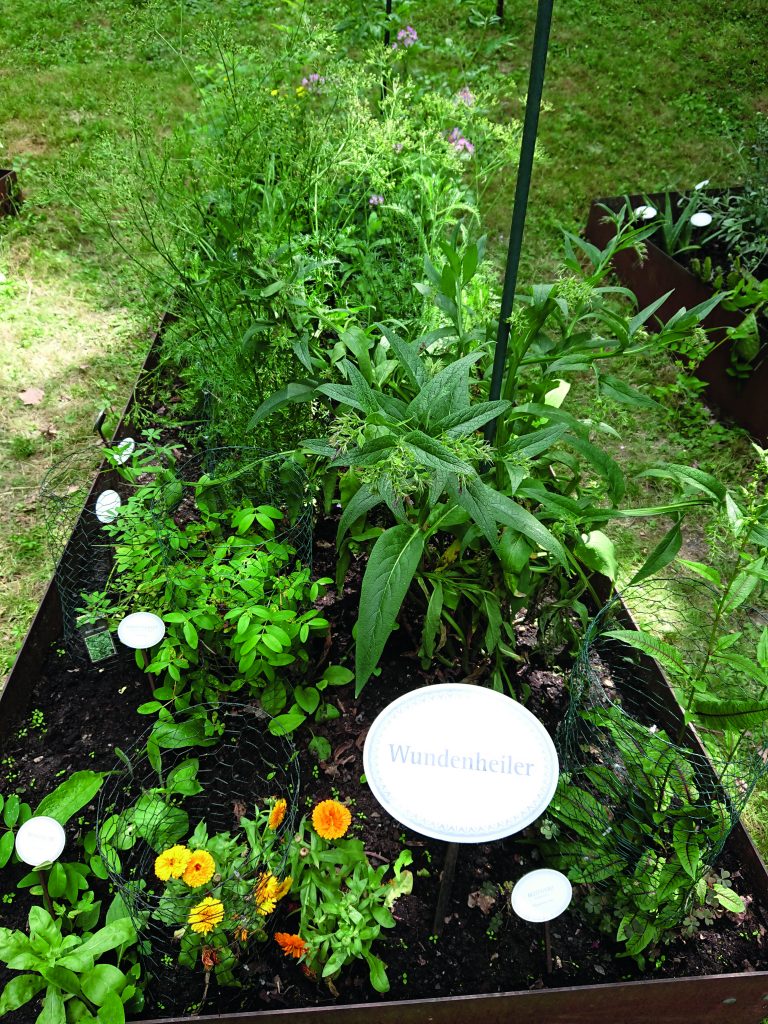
x=107, y=505
x=460, y=763
x=141, y=630
x=541, y=895
x=40, y=840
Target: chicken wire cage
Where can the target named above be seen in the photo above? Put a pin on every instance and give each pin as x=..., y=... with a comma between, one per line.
x=76, y=522
x=216, y=794
x=228, y=476
x=648, y=790
x=144, y=509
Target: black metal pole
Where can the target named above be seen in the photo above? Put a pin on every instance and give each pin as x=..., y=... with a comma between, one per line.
x=388, y=10
x=522, y=188
x=500, y=9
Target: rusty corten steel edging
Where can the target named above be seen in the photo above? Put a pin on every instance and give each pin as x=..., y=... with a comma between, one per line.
x=720, y=999
x=46, y=625
x=657, y=273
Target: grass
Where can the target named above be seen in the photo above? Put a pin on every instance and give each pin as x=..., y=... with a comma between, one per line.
x=636, y=101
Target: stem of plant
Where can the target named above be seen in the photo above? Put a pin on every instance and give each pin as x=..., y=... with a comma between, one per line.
x=43, y=876
x=548, y=946
x=446, y=885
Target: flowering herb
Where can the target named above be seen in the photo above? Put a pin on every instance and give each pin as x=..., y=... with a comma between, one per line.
x=206, y=916
x=313, y=82
x=277, y=814
x=376, y=200
x=406, y=37
x=199, y=870
x=459, y=142
x=172, y=863
x=269, y=891
x=291, y=945
x=331, y=819
x=466, y=97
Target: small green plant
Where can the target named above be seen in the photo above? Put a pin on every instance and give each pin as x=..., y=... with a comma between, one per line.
x=71, y=970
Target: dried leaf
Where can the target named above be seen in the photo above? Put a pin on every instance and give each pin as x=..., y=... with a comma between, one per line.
x=32, y=396
x=482, y=900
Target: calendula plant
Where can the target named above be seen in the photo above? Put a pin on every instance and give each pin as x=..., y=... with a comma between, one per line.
x=344, y=902
x=221, y=889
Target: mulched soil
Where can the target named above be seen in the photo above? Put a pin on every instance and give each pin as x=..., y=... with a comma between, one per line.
x=90, y=712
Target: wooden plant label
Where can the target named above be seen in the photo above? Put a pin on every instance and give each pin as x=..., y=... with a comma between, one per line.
x=460, y=763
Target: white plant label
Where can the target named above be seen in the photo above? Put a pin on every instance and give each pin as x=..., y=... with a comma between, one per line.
x=460, y=763
x=141, y=630
x=40, y=840
x=107, y=505
x=541, y=895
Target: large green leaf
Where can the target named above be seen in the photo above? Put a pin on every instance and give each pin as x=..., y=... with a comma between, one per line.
x=730, y=715
x=391, y=565
x=71, y=796
x=20, y=990
x=118, y=933
x=664, y=553
x=507, y=512
x=53, y=1007
x=361, y=502
x=667, y=655
x=597, y=552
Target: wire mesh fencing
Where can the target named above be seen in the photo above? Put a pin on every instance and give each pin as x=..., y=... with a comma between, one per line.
x=193, y=826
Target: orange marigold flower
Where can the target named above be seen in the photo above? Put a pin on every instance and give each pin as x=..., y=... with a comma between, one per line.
x=291, y=945
x=204, y=916
x=172, y=863
x=199, y=869
x=331, y=819
x=277, y=814
x=209, y=957
x=269, y=890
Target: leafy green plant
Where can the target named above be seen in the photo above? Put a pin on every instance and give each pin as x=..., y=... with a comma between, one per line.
x=13, y=813
x=641, y=832
x=344, y=901
x=78, y=984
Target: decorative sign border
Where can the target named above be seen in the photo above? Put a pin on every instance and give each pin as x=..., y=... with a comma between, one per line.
x=487, y=703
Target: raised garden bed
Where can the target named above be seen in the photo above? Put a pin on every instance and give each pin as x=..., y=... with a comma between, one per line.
x=658, y=273
x=10, y=193
x=466, y=976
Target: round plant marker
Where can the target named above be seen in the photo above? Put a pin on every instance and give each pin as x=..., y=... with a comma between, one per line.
x=702, y=219
x=645, y=212
x=40, y=841
x=541, y=895
x=124, y=450
x=141, y=630
x=460, y=763
x=107, y=505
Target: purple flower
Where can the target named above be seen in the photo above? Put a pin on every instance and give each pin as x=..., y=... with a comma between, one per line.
x=313, y=81
x=376, y=200
x=466, y=97
x=459, y=143
x=406, y=37
x=398, y=147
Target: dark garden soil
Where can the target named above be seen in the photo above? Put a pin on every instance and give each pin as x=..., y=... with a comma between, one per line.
x=90, y=712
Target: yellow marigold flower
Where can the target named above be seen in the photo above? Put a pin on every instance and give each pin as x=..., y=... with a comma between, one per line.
x=275, y=92
x=269, y=890
x=204, y=916
x=331, y=819
x=291, y=945
x=199, y=869
x=172, y=863
x=277, y=814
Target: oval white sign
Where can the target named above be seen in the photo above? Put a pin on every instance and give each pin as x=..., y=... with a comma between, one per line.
x=541, y=895
x=460, y=763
